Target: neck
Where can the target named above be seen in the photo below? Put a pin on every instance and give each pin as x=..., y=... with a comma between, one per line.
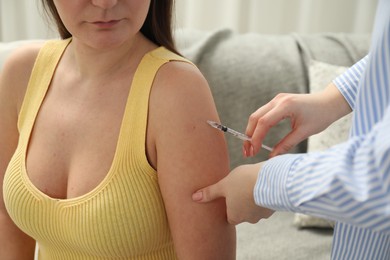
x=99, y=63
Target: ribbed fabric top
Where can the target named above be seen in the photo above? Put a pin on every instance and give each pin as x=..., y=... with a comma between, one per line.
x=124, y=216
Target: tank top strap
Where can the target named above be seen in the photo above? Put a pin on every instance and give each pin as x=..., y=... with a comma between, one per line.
x=163, y=53
x=134, y=123
x=41, y=76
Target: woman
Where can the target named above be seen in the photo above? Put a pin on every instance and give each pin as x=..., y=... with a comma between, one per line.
x=102, y=136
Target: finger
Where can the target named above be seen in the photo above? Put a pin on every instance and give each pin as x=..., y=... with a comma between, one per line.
x=288, y=142
x=247, y=149
x=252, y=121
x=251, y=126
x=264, y=124
x=254, y=219
x=234, y=222
x=255, y=116
x=262, y=111
x=208, y=194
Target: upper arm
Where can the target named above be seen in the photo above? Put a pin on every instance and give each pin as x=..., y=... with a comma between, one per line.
x=14, y=77
x=190, y=155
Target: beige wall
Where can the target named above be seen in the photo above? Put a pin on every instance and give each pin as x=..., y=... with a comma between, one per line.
x=278, y=16
x=21, y=19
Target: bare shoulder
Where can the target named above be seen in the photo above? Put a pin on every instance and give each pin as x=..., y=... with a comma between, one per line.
x=181, y=102
x=182, y=81
x=180, y=96
x=23, y=57
x=16, y=71
x=178, y=72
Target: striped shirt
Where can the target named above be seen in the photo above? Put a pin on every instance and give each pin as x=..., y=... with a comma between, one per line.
x=350, y=182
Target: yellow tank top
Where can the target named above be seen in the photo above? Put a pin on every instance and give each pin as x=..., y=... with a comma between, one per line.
x=124, y=216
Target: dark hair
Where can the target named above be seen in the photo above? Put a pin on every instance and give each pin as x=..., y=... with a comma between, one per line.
x=157, y=26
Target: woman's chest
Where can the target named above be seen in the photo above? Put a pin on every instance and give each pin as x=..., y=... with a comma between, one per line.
x=73, y=141
x=123, y=216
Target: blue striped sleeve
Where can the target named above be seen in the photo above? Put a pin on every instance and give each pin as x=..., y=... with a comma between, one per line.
x=348, y=82
x=349, y=182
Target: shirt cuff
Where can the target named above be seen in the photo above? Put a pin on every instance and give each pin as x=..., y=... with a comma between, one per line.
x=272, y=185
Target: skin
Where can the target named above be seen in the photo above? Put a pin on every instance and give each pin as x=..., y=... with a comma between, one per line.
x=303, y=110
x=14, y=243
x=236, y=188
x=80, y=119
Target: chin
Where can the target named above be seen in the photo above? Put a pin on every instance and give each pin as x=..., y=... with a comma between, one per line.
x=104, y=41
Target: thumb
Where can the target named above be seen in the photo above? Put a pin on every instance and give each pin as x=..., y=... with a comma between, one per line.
x=208, y=194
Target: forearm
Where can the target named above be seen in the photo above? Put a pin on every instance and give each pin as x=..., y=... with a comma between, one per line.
x=335, y=103
x=14, y=244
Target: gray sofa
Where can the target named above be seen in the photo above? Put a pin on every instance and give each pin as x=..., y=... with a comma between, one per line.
x=244, y=72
